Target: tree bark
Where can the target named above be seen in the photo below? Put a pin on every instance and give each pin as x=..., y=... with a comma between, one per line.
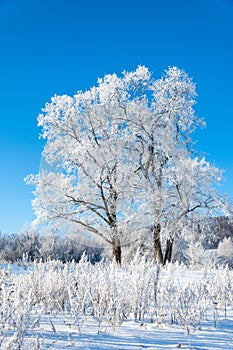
x=157, y=244
x=116, y=251
x=168, y=253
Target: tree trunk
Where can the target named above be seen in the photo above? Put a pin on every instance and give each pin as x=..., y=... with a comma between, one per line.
x=157, y=244
x=116, y=251
x=168, y=253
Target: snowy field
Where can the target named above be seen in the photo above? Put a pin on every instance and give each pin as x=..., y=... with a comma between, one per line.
x=134, y=335
x=82, y=306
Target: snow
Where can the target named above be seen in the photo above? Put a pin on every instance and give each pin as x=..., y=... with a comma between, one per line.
x=136, y=335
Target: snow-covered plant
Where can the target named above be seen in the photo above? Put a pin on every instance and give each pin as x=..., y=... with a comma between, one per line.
x=17, y=312
x=6, y=304
x=105, y=295
x=73, y=295
x=225, y=248
x=220, y=287
x=143, y=279
x=195, y=254
x=166, y=296
x=22, y=320
x=190, y=305
x=185, y=300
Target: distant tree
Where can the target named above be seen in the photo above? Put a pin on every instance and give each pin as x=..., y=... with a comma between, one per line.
x=124, y=159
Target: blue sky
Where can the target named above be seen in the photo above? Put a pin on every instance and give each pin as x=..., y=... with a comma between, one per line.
x=61, y=46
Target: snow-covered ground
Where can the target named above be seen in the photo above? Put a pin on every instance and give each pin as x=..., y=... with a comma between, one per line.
x=81, y=306
x=136, y=335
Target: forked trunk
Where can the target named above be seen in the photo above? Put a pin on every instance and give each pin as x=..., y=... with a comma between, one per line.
x=168, y=253
x=157, y=244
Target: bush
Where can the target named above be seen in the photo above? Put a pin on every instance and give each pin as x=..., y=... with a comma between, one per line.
x=225, y=248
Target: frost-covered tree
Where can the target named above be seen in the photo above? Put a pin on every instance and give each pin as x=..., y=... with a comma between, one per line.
x=125, y=159
x=178, y=185
x=87, y=139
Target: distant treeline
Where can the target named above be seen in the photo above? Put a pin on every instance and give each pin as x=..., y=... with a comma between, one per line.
x=31, y=246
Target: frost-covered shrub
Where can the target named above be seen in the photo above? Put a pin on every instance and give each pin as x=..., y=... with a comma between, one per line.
x=188, y=297
x=225, y=248
x=48, y=284
x=195, y=254
x=142, y=283
x=225, y=252
x=180, y=247
x=190, y=305
x=17, y=311
x=108, y=294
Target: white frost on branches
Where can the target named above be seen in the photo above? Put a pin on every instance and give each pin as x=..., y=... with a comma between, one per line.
x=124, y=151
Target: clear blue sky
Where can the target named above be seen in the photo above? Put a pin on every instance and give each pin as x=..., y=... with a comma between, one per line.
x=61, y=46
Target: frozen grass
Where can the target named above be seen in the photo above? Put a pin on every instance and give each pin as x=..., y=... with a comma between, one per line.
x=83, y=306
